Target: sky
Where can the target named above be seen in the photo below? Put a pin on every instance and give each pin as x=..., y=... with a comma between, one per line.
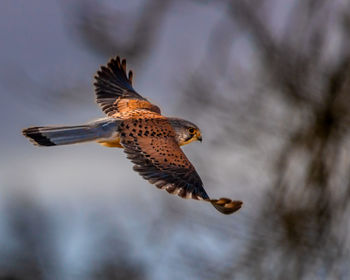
x=73, y=209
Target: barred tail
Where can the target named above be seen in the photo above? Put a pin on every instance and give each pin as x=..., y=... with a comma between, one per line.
x=64, y=135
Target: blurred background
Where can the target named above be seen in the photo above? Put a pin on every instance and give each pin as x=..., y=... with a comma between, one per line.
x=267, y=82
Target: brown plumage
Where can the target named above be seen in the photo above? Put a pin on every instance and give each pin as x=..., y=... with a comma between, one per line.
x=151, y=141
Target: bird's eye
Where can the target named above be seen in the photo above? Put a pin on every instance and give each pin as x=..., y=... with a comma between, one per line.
x=191, y=130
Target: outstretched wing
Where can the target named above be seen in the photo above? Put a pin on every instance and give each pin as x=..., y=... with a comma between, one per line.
x=151, y=146
x=114, y=91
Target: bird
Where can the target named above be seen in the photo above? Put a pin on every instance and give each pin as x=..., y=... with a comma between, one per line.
x=150, y=140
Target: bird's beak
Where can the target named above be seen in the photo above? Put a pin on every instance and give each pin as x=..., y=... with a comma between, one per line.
x=199, y=138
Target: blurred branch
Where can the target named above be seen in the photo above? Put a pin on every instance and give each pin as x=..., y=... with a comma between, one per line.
x=108, y=32
x=300, y=216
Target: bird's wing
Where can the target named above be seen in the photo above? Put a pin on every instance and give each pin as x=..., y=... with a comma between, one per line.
x=151, y=146
x=114, y=91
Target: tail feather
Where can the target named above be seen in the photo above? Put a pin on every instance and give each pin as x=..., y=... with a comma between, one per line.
x=64, y=135
x=36, y=137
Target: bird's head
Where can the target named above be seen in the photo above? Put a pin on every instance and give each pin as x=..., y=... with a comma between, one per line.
x=186, y=132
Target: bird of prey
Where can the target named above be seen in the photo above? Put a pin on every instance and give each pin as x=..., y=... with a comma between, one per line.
x=150, y=140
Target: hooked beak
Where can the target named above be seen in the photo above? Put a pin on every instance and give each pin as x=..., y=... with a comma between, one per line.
x=199, y=138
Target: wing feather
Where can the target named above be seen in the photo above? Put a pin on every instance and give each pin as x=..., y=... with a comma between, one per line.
x=114, y=91
x=160, y=160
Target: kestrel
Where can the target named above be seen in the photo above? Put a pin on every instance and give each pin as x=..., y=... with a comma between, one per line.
x=150, y=140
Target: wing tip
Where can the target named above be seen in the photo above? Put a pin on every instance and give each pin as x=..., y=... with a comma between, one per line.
x=113, y=65
x=226, y=206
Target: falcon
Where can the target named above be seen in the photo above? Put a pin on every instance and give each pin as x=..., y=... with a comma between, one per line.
x=149, y=139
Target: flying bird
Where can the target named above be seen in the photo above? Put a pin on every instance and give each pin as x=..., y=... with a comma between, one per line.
x=149, y=139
